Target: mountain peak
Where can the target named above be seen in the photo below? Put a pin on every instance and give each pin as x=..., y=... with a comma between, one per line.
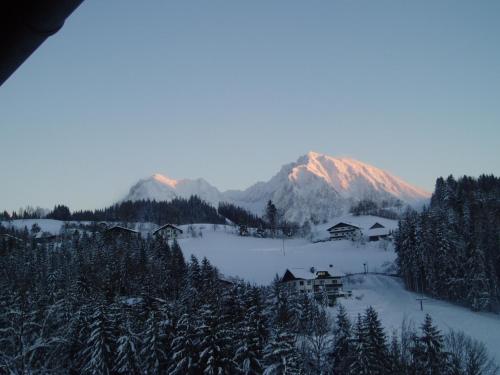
x=352, y=178
x=315, y=186
x=165, y=180
x=313, y=154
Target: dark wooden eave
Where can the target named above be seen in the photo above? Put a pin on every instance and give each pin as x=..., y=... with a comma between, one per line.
x=343, y=225
x=119, y=229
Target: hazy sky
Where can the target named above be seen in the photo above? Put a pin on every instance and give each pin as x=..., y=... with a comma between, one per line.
x=231, y=90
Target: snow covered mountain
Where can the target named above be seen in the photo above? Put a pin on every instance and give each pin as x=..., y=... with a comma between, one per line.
x=162, y=188
x=316, y=185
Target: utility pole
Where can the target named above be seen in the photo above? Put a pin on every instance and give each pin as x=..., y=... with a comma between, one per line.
x=421, y=298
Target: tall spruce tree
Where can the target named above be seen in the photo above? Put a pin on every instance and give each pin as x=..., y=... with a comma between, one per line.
x=342, y=350
x=431, y=354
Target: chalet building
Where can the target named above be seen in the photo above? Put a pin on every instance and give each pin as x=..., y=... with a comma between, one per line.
x=342, y=231
x=168, y=232
x=119, y=231
x=315, y=282
x=378, y=232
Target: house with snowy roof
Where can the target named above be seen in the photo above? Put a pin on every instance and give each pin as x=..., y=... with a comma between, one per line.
x=119, y=231
x=342, y=231
x=378, y=232
x=317, y=282
x=168, y=232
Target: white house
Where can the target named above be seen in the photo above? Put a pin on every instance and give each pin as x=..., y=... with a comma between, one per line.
x=168, y=232
x=315, y=282
x=378, y=232
x=343, y=231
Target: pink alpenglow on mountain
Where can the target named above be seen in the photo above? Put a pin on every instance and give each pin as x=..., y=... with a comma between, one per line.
x=316, y=186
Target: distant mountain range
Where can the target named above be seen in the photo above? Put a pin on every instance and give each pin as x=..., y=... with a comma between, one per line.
x=316, y=185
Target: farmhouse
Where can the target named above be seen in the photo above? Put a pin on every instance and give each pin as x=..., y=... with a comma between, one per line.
x=378, y=232
x=315, y=282
x=168, y=232
x=119, y=231
x=343, y=231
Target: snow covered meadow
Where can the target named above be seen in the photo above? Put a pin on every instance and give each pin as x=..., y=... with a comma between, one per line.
x=259, y=260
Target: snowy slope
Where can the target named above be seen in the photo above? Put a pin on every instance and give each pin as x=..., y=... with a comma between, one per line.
x=46, y=225
x=259, y=260
x=395, y=304
x=316, y=185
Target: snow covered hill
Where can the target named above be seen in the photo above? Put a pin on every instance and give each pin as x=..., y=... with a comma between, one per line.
x=259, y=260
x=316, y=185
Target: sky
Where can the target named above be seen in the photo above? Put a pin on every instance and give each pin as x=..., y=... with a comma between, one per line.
x=232, y=90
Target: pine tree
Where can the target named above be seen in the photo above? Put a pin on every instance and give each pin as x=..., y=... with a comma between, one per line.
x=342, y=351
x=361, y=362
x=376, y=343
x=99, y=353
x=154, y=358
x=281, y=356
x=478, y=295
x=127, y=361
x=213, y=359
x=185, y=348
x=431, y=354
x=395, y=358
x=272, y=216
x=250, y=343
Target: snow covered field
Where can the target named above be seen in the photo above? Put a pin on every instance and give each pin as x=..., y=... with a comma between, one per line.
x=259, y=260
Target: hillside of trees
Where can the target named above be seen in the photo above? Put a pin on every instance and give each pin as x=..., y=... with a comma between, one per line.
x=387, y=209
x=451, y=250
x=178, y=211
x=132, y=305
x=240, y=216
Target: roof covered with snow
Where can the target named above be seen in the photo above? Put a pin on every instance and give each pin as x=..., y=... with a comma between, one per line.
x=167, y=226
